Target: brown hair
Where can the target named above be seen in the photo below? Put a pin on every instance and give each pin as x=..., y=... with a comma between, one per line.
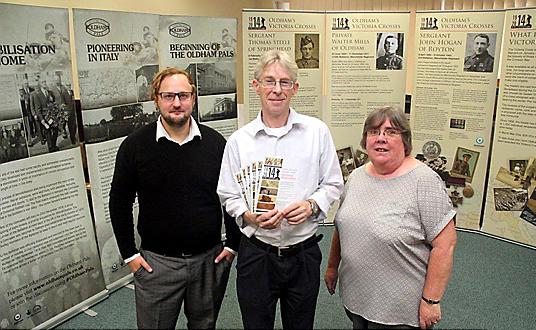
x=397, y=118
x=160, y=76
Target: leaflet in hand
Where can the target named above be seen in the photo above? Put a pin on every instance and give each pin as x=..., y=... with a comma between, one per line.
x=259, y=184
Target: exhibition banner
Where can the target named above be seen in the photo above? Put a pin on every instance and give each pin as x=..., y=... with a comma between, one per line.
x=49, y=263
x=455, y=78
x=511, y=196
x=206, y=48
x=366, y=69
x=301, y=35
x=117, y=57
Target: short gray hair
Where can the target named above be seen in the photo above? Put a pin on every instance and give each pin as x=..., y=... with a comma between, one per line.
x=397, y=118
x=273, y=56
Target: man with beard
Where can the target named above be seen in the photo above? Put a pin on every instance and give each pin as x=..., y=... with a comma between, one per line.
x=172, y=166
x=390, y=61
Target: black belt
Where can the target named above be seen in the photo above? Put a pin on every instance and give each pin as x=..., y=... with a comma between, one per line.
x=286, y=251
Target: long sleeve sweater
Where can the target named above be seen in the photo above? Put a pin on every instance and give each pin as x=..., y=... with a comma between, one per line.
x=179, y=209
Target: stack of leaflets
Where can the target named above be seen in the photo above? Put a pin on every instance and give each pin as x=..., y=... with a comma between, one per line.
x=259, y=184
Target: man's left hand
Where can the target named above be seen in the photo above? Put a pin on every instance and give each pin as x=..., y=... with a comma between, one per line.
x=224, y=254
x=297, y=212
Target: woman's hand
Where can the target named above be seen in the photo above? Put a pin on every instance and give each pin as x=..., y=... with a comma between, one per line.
x=330, y=278
x=429, y=314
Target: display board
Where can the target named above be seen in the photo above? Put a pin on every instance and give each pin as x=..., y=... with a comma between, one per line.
x=510, y=210
x=455, y=76
x=206, y=48
x=49, y=263
x=301, y=35
x=366, y=69
x=117, y=56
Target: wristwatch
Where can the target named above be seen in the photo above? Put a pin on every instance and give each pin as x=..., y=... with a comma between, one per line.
x=314, y=207
x=430, y=301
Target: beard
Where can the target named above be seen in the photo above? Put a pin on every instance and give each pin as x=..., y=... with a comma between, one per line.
x=176, y=122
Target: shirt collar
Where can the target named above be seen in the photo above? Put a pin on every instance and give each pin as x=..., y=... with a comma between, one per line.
x=294, y=118
x=162, y=133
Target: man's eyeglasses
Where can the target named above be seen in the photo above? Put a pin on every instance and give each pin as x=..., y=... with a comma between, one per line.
x=170, y=96
x=389, y=132
x=271, y=82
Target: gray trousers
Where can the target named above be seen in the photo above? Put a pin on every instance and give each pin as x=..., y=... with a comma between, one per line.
x=196, y=280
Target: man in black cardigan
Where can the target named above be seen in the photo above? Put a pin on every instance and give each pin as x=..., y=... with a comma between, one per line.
x=173, y=166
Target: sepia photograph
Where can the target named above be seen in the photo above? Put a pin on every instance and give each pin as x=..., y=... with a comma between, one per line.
x=307, y=51
x=360, y=158
x=346, y=162
x=464, y=164
x=505, y=176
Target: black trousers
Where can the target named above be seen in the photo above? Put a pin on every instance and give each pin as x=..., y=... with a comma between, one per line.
x=51, y=136
x=263, y=278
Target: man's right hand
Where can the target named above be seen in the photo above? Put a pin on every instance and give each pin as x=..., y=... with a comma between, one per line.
x=137, y=263
x=268, y=220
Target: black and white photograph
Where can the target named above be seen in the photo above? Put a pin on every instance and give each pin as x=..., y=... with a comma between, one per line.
x=228, y=40
x=144, y=77
x=438, y=164
x=518, y=167
x=346, y=162
x=479, y=52
x=509, y=199
x=307, y=52
x=144, y=49
x=216, y=78
x=48, y=111
x=389, y=51
x=217, y=107
x=100, y=88
x=110, y=123
x=464, y=164
x=13, y=144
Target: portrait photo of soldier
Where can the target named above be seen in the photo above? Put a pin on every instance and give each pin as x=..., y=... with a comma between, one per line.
x=389, y=51
x=307, y=51
x=479, y=51
x=464, y=164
